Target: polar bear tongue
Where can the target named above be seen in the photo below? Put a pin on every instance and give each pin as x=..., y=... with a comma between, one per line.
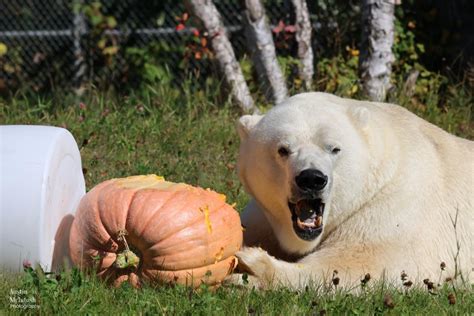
x=307, y=215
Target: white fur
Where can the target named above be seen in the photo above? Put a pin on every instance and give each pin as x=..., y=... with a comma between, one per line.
x=394, y=191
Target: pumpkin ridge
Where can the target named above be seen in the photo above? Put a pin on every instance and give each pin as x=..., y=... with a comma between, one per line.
x=151, y=267
x=201, y=266
x=230, y=249
x=193, y=274
x=189, y=224
x=87, y=256
x=212, y=211
x=100, y=225
x=170, y=198
x=114, y=235
x=211, y=244
x=139, y=235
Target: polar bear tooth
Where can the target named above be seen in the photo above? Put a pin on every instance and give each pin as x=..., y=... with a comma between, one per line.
x=318, y=221
x=300, y=224
x=304, y=225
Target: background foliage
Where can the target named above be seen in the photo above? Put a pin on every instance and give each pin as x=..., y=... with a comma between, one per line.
x=128, y=43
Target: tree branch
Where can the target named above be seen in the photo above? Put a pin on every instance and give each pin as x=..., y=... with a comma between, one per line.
x=207, y=12
x=376, y=47
x=262, y=49
x=303, y=37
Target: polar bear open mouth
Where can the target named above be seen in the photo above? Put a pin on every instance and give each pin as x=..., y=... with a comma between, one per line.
x=307, y=217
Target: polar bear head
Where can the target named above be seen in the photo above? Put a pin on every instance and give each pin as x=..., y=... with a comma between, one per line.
x=305, y=163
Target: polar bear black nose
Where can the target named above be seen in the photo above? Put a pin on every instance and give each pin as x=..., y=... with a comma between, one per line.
x=311, y=180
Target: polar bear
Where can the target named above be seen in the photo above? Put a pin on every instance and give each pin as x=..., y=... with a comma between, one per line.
x=354, y=186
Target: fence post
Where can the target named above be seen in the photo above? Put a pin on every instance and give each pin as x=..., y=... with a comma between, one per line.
x=80, y=65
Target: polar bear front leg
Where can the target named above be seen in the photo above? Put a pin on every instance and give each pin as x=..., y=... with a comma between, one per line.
x=266, y=271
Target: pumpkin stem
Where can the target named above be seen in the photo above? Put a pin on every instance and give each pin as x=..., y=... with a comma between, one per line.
x=126, y=258
x=121, y=236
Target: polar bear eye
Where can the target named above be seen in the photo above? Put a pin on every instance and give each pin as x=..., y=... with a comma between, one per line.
x=335, y=150
x=283, y=151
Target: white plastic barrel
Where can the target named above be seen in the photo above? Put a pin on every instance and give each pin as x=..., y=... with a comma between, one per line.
x=41, y=183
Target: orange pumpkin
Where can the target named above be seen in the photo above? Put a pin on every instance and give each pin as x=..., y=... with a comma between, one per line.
x=144, y=228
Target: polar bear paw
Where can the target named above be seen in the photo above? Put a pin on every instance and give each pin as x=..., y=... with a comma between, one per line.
x=257, y=267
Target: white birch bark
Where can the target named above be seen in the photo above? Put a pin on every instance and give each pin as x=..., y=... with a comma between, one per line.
x=207, y=12
x=262, y=49
x=376, y=47
x=80, y=66
x=303, y=38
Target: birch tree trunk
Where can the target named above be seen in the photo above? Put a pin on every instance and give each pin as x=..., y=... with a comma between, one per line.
x=303, y=37
x=262, y=49
x=376, y=47
x=206, y=11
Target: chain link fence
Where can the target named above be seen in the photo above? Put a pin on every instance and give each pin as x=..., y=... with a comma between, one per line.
x=59, y=43
x=48, y=44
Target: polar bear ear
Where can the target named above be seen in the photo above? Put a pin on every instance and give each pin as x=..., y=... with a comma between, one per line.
x=361, y=116
x=246, y=123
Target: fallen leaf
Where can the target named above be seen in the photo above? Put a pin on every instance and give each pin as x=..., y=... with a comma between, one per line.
x=452, y=299
x=388, y=301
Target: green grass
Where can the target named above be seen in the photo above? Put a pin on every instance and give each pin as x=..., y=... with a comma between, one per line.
x=72, y=292
x=189, y=136
x=184, y=137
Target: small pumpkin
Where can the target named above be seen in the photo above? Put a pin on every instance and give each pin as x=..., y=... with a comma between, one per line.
x=145, y=228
